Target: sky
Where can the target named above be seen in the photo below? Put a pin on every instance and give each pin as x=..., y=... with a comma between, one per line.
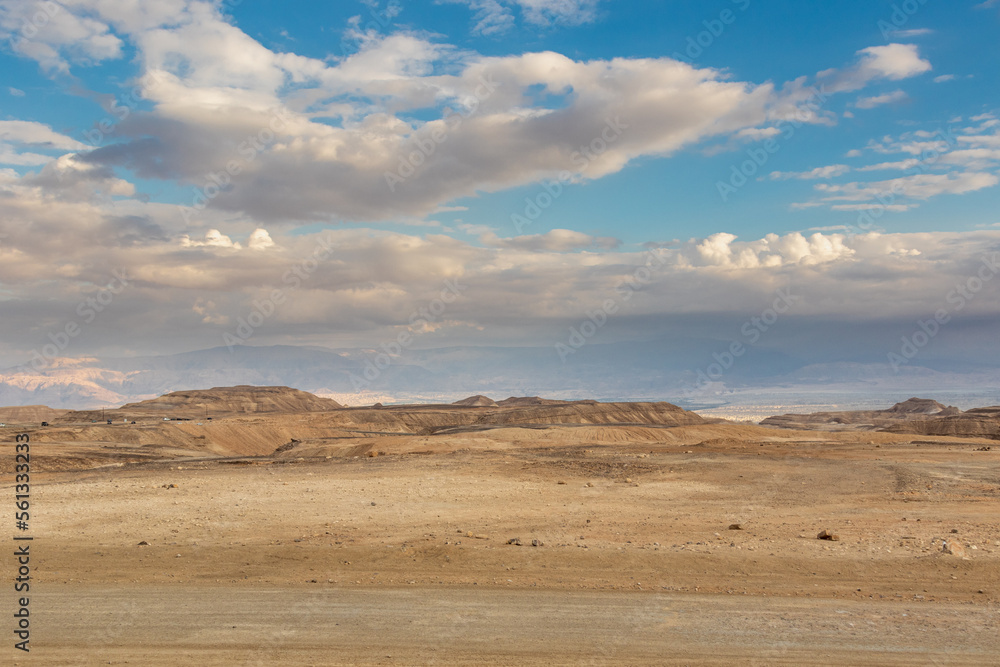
x=185, y=174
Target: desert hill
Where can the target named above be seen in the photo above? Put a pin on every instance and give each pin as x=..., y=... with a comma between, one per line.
x=24, y=414
x=240, y=399
x=522, y=401
x=864, y=420
x=254, y=421
x=478, y=401
x=215, y=402
x=975, y=423
x=592, y=412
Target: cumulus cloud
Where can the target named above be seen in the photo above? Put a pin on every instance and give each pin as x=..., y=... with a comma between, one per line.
x=259, y=239
x=723, y=251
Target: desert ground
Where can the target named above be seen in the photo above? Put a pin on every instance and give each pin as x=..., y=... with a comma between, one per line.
x=598, y=534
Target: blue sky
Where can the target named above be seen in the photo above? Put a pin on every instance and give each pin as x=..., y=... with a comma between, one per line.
x=237, y=135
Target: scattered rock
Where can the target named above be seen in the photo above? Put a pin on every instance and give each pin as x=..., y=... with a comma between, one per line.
x=590, y=484
x=560, y=482
x=827, y=535
x=628, y=480
x=954, y=530
x=954, y=548
x=373, y=503
x=537, y=543
x=144, y=543
x=372, y=454
x=736, y=526
x=516, y=541
x=169, y=486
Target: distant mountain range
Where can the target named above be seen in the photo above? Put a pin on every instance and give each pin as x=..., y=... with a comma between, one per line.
x=686, y=372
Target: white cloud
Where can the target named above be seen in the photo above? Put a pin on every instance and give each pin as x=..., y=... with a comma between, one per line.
x=723, y=251
x=950, y=161
x=57, y=34
x=830, y=171
x=892, y=208
x=900, y=165
x=187, y=290
x=30, y=133
x=915, y=32
x=259, y=239
x=620, y=109
x=892, y=61
x=944, y=77
x=569, y=12
x=917, y=186
x=556, y=240
x=213, y=238
x=757, y=133
x=491, y=16
x=494, y=17
x=335, y=130
x=15, y=92
x=878, y=100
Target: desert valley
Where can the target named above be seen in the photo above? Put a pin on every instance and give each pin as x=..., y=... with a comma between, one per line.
x=254, y=525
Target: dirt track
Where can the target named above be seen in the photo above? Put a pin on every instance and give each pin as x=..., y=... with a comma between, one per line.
x=427, y=626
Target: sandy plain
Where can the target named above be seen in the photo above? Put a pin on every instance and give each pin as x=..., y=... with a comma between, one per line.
x=371, y=541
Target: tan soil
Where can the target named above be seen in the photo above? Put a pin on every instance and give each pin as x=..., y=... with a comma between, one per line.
x=324, y=554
